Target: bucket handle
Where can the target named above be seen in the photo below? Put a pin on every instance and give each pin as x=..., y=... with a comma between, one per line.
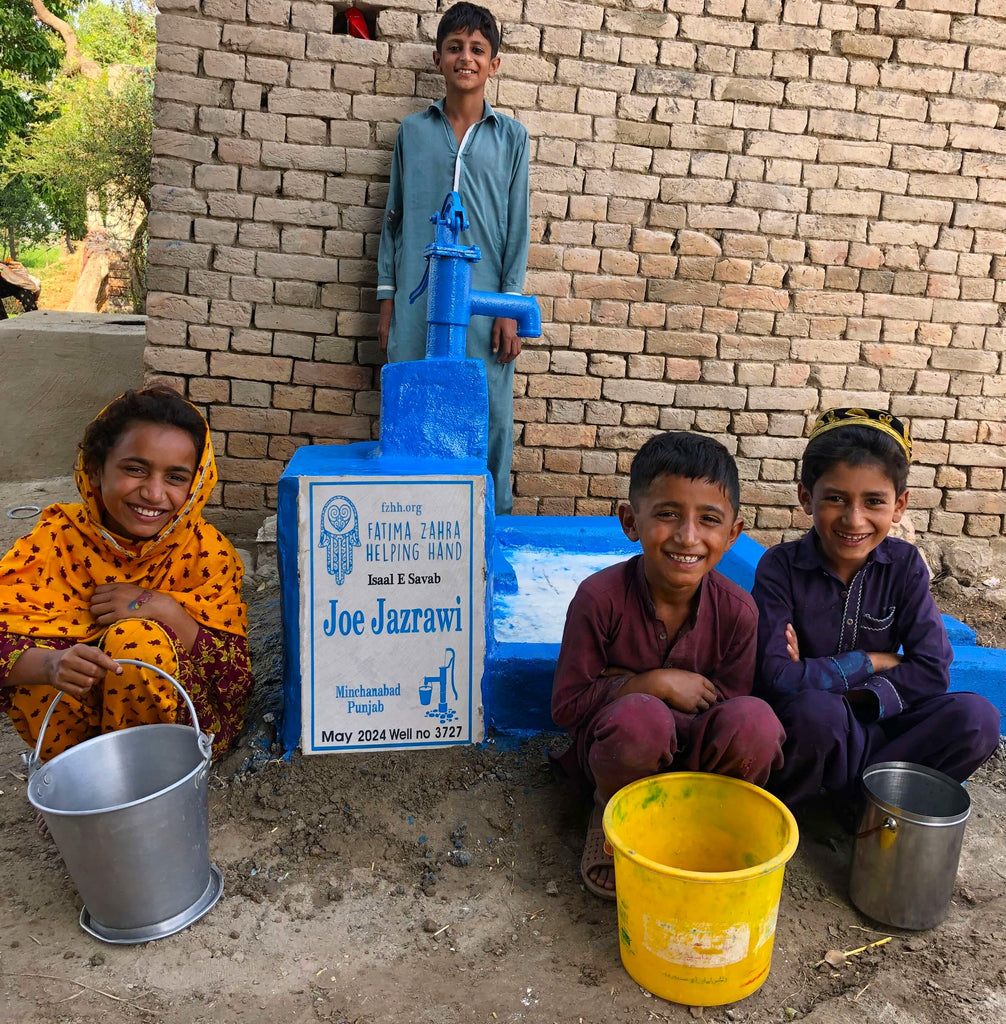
x=889, y=824
x=203, y=740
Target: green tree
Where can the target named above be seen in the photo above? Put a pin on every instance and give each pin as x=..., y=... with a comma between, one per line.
x=102, y=134
x=92, y=131
x=30, y=59
x=117, y=31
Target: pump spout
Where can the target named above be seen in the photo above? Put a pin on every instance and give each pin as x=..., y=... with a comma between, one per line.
x=522, y=308
x=452, y=301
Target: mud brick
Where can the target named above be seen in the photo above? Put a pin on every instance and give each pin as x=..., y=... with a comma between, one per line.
x=947, y=523
x=561, y=41
x=529, y=410
x=736, y=271
x=286, y=396
x=862, y=45
x=948, y=311
x=961, y=430
x=333, y=375
x=564, y=14
x=982, y=525
x=754, y=297
x=598, y=462
x=985, y=58
x=227, y=10
x=982, y=478
x=564, y=410
x=320, y=17
x=341, y=403
x=868, y=257
x=249, y=496
x=563, y=386
x=914, y=24
x=963, y=111
x=545, y=485
x=332, y=426
x=175, y=360
x=256, y=40
x=704, y=29
x=562, y=461
x=928, y=52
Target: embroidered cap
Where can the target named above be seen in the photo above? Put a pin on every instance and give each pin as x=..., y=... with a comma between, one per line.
x=874, y=418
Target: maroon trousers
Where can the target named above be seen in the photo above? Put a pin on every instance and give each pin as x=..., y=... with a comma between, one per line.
x=639, y=735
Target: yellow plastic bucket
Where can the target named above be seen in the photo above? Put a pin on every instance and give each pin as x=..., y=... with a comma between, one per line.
x=699, y=862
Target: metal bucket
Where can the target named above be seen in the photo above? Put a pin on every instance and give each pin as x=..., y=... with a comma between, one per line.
x=128, y=811
x=904, y=864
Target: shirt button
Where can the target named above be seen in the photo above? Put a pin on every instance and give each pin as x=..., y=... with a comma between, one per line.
x=848, y=622
x=663, y=636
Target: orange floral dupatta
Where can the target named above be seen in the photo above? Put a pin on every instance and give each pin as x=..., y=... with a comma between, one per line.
x=46, y=579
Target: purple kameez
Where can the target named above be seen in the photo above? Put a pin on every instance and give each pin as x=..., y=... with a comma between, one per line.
x=612, y=624
x=839, y=715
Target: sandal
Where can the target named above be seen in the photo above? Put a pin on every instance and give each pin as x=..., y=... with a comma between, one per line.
x=597, y=853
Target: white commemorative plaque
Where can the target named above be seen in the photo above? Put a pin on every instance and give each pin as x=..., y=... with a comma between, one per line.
x=392, y=580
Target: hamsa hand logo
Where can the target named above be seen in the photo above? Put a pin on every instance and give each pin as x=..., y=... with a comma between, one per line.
x=340, y=533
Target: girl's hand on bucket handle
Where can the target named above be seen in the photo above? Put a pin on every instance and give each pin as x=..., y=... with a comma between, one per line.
x=77, y=669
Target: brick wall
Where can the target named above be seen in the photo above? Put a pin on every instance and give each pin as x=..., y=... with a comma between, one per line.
x=742, y=212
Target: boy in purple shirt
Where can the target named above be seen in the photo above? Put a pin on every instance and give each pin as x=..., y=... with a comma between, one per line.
x=658, y=654
x=852, y=651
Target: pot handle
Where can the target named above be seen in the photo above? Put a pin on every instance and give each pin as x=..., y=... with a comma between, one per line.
x=889, y=824
x=203, y=740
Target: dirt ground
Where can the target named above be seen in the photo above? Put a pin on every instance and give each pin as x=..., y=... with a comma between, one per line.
x=437, y=887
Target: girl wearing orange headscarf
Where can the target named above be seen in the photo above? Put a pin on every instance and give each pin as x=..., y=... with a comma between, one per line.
x=132, y=571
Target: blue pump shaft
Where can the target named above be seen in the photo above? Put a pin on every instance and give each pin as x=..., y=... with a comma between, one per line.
x=452, y=301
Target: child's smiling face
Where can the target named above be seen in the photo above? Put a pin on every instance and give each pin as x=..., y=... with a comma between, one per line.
x=853, y=508
x=465, y=60
x=684, y=527
x=145, y=479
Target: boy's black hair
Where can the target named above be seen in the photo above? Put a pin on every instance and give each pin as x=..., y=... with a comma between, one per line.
x=466, y=17
x=689, y=455
x=152, y=405
x=855, y=446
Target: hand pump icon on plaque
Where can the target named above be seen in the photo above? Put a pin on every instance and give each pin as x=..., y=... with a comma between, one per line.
x=442, y=711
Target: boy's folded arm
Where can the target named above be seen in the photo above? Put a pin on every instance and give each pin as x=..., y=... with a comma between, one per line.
x=579, y=693
x=835, y=673
x=679, y=688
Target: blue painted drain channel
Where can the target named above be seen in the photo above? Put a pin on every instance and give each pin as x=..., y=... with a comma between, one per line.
x=538, y=561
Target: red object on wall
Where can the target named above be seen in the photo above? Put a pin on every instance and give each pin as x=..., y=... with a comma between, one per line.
x=356, y=25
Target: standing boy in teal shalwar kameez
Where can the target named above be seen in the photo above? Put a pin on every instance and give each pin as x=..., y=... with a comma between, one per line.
x=460, y=143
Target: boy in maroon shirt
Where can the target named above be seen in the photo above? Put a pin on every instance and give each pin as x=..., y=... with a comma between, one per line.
x=658, y=654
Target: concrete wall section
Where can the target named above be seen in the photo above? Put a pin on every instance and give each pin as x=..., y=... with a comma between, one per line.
x=59, y=370
x=742, y=212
